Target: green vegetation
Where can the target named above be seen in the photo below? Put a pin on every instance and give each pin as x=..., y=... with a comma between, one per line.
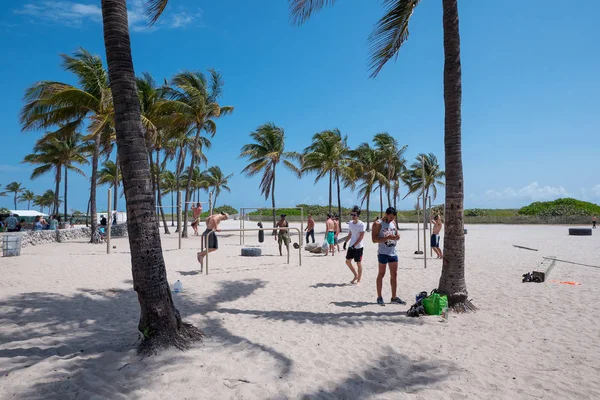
x=560, y=207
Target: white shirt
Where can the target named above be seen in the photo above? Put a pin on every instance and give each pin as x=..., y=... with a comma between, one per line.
x=355, y=231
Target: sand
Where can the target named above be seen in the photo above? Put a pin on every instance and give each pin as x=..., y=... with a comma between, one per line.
x=68, y=318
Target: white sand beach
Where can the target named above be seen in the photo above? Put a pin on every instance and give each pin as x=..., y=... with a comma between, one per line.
x=68, y=324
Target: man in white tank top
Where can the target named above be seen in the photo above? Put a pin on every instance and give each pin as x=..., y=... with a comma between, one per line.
x=385, y=233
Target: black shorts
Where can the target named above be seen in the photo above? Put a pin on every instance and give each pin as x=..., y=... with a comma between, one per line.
x=213, y=242
x=354, y=254
x=435, y=240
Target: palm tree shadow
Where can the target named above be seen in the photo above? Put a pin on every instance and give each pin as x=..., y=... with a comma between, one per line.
x=190, y=273
x=392, y=372
x=352, y=304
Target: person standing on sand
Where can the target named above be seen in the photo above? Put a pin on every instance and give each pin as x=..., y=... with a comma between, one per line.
x=196, y=211
x=212, y=223
x=356, y=233
x=310, y=228
x=338, y=229
x=385, y=234
x=283, y=235
x=594, y=222
x=330, y=234
x=435, y=236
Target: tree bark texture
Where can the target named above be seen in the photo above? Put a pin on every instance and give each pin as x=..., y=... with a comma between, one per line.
x=58, y=178
x=160, y=322
x=452, y=280
x=93, y=184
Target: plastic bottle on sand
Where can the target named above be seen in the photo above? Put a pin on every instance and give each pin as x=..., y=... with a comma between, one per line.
x=178, y=287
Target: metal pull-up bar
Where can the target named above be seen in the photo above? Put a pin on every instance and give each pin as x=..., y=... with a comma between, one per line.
x=243, y=222
x=204, y=241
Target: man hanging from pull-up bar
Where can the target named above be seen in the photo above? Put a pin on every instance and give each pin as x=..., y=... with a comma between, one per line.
x=196, y=211
x=212, y=223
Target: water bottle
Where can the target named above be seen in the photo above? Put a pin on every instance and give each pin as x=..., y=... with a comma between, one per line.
x=178, y=287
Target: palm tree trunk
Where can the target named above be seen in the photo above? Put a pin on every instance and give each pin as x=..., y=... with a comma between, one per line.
x=66, y=193
x=28, y=204
x=172, y=210
x=188, y=187
x=116, y=183
x=87, y=213
x=153, y=179
x=339, y=195
x=452, y=280
x=273, y=202
x=57, y=189
x=15, y=200
x=380, y=200
x=330, y=186
x=159, y=321
x=162, y=210
x=93, y=183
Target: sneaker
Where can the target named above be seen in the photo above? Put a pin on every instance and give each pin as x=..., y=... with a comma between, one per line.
x=397, y=300
x=380, y=301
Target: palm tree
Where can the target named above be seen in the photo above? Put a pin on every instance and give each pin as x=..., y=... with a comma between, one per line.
x=395, y=165
x=193, y=101
x=27, y=196
x=160, y=322
x=267, y=151
x=169, y=186
x=385, y=41
x=368, y=166
x=217, y=181
x=433, y=175
x=46, y=200
x=15, y=188
x=110, y=174
x=49, y=103
x=328, y=155
x=63, y=148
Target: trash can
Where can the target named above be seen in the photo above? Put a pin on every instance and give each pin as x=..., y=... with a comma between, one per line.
x=11, y=245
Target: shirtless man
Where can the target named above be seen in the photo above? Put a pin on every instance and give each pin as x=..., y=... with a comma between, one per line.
x=330, y=234
x=283, y=236
x=435, y=236
x=310, y=228
x=212, y=223
x=196, y=211
x=338, y=229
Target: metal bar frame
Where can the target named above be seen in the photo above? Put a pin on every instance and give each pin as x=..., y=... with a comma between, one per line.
x=204, y=242
x=109, y=223
x=243, y=223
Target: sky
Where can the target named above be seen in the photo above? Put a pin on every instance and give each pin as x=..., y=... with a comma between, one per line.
x=530, y=106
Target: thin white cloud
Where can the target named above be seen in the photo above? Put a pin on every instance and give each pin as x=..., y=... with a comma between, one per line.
x=533, y=192
x=596, y=191
x=75, y=14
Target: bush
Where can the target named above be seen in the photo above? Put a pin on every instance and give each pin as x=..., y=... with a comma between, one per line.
x=561, y=207
x=225, y=209
x=475, y=212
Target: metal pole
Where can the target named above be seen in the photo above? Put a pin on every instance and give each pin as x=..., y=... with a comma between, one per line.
x=179, y=199
x=108, y=224
x=302, y=226
x=429, y=217
x=418, y=225
x=210, y=203
x=424, y=208
x=241, y=218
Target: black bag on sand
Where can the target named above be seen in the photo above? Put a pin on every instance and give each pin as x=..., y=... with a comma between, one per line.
x=261, y=234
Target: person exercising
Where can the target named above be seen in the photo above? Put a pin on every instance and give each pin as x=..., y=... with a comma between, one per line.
x=435, y=235
x=196, y=211
x=212, y=224
x=283, y=235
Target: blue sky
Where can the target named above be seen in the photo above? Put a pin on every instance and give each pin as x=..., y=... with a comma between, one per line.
x=530, y=87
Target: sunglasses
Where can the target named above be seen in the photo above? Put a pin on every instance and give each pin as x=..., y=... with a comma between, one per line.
x=353, y=215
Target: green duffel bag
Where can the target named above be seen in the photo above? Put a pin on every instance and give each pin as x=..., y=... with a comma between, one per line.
x=435, y=303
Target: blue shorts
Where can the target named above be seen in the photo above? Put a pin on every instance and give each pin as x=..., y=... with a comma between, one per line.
x=384, y=259
x=435, y=240
x=330, y=237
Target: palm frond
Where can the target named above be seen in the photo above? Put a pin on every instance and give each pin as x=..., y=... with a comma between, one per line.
x=390, y=32
x=301, y=10
x=154, y=9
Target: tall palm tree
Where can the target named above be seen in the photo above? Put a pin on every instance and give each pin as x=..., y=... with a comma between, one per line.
x=267, y=151
x=433, y=175
x=49, y=103
x=394, y=166
x=46, y=200
x=390, y=32
x=327, y=155
x=15, y=188
x=160, y=322
x=169, y=186
x=217, y=180
x=368, y=166
x=27, y=196
x=193, y=101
